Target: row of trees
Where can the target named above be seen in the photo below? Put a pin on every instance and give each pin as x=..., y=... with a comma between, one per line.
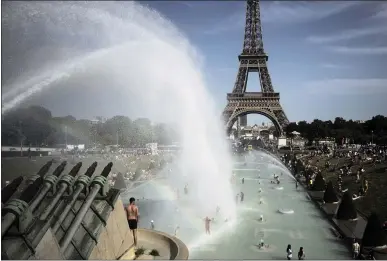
x=374, y=234
x=36, y=126
x=373, y=130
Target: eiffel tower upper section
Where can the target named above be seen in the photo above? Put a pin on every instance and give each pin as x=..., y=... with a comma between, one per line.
x=253, y=57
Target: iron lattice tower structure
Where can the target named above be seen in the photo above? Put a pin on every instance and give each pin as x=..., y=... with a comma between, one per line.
x=254, y=59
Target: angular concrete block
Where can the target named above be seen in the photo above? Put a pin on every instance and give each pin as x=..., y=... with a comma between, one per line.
x=48, y=247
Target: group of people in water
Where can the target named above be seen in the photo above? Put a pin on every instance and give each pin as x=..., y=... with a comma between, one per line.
x=133, y=216
x=289, y=253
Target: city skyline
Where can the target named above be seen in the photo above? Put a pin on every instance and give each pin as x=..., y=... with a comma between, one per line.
x=326, y=59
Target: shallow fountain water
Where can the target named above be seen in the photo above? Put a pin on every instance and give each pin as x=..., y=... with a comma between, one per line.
x=279, y=217
x=123, y=47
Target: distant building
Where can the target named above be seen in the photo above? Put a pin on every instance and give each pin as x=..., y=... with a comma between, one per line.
x=327, y=141
x=98, y=120
x=297, y=140
x=75, y=147
x=169, y=148
x=255, y=131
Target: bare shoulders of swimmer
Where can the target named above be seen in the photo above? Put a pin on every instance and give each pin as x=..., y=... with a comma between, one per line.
x=132, y=208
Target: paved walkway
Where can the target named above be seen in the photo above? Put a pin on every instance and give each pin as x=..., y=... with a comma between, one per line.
x=305, y=227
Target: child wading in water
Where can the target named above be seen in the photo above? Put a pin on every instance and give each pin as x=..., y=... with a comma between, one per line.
x=289, y=252
x=301, y=254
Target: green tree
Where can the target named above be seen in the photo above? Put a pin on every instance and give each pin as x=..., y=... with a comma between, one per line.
x=374, y=235
x=120, y=181
x=151, y=165
x=35, y=125
x=346, y=209
x=319, y=183
x=330, y=194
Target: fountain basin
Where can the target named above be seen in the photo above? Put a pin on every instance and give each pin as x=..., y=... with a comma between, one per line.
x=169, y=247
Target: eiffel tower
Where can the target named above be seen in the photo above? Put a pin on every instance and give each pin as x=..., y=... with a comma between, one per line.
x=254, y=59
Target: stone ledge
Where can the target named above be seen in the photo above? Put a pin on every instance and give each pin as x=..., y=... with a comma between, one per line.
x=129, y=254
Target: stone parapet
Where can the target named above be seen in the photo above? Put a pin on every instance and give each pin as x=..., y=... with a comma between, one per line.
x=64, y=215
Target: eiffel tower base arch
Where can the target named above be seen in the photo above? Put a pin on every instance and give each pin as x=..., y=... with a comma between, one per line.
x=231, y=118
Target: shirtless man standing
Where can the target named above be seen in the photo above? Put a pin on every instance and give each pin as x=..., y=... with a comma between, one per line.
x=207, y=222
x=133, y=215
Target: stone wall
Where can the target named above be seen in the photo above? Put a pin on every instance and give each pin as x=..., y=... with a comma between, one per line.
x=63, y=215
x=116, y=238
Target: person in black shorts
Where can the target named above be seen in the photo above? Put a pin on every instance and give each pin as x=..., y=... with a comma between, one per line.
x=133, y=214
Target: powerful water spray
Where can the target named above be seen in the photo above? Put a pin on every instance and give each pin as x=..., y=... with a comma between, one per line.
x=122, y=47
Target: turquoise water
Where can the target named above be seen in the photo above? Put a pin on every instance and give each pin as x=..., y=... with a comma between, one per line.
x=237, y=239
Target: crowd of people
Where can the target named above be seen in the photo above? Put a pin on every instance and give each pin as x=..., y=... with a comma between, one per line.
x=350, y=162
x=355, y=162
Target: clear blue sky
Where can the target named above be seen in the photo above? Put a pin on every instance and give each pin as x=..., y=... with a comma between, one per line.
x=326, y=59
